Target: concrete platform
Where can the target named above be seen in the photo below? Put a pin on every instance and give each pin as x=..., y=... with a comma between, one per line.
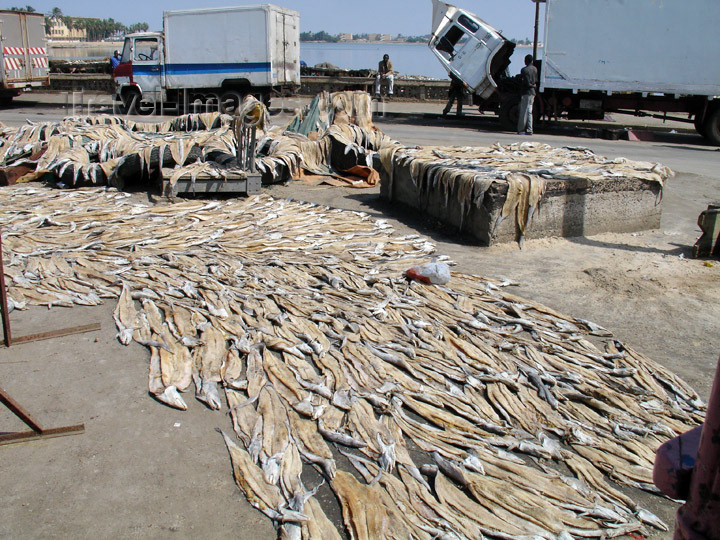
x=571, y=206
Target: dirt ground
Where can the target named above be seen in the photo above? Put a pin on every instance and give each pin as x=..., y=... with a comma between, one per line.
x=144, y=470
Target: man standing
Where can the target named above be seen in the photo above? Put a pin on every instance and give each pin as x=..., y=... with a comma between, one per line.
x=457, y=92
x=385, y=73
x=528, y=82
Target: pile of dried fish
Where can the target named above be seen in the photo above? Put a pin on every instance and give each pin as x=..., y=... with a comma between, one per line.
x=466, y=173
x=457, y=411
x=108, y=150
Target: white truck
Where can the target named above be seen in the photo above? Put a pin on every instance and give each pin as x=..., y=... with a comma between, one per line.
x=640, y=57
x=23, y=55
x=214, y=56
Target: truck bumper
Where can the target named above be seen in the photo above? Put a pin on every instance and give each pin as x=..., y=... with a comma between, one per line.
x=22, y=85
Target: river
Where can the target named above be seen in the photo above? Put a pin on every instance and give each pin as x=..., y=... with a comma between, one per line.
x=407, y=58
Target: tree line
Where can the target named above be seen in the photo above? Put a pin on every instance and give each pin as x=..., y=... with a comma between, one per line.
x=95, y=29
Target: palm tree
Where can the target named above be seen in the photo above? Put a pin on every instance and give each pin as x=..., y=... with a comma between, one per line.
x=56, y=13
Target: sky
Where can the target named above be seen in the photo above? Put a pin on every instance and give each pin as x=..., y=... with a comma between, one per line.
x=515, y=18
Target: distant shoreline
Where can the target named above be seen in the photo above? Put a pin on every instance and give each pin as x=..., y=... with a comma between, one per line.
x=363, y=42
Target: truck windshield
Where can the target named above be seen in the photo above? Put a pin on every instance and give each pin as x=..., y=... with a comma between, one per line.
x=452, y=41
x=468, y=23
x=146, y=49
x=127, y=49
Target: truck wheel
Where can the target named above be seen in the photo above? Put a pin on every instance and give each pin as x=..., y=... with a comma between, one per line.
x=509, y=116
x=712, y=126
x=699, y=124
x=6, y=101
x=131, y=100
x=230, y=102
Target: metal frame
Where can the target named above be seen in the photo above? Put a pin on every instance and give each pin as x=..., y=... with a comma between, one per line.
x=38, y=432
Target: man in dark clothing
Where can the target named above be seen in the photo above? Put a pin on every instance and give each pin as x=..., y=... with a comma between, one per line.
x=385, y=73
x=529, y=81
x=457, y=92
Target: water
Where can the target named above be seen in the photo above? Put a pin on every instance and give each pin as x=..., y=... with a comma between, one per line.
x=407, y=58
x=83, y=51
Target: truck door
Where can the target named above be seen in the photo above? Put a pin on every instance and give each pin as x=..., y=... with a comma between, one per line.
x=36, y=49
x=147, y=68
x=285, y=49
x=465, y=51
x=14, y=56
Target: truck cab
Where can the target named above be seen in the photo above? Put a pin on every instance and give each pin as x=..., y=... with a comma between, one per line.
x=469, y=48
x=141, y=73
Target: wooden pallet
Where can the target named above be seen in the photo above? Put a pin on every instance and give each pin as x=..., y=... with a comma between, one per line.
x=233, y=182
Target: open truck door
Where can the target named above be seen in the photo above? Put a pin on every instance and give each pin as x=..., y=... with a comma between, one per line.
x=469, y=48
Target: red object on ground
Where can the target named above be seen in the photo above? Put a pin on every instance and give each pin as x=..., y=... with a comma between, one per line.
x=413, y=274
x=699, y=517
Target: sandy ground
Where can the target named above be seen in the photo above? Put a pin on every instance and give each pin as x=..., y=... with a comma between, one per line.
x=144, y=470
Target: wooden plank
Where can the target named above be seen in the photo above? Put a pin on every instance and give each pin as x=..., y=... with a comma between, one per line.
x=58, y=333
x=27, y=436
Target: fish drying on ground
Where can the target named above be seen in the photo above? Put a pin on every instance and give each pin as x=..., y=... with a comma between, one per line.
x=459, y=410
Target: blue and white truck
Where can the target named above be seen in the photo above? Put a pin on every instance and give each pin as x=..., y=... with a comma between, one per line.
x=214, y=56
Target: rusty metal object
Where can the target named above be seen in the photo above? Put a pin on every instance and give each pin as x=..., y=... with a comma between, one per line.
x=38, y=432
x=708, y=245
x=4, y=302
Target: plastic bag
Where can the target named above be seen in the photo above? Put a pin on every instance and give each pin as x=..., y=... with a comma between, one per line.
x=435, y=273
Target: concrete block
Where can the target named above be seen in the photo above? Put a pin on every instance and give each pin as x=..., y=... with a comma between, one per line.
x=570, y=207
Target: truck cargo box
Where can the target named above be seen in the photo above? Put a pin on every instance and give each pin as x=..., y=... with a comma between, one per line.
x=208, y=47
x=24, y=52
x=667, y=46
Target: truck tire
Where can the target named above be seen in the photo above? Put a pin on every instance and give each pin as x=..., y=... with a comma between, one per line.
x=230, y=102
x=131, y=100
x=509, y=113
x=712, y=126
x=699, y=124
x=6, y=100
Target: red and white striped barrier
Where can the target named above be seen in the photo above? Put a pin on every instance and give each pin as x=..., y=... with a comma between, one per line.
x=12, y=64
x=38, y=57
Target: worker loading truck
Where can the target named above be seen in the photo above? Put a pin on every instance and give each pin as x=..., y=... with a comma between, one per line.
x=640, y=57
x=212, y=56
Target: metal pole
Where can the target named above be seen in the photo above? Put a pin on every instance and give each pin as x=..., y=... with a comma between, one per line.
x=537, y=27
x=4, y=302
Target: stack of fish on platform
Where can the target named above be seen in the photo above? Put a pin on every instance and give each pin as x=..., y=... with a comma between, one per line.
x=456, y=411
x=466, y=173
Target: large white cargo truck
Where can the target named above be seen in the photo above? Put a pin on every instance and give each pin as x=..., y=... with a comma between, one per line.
x=598, y=56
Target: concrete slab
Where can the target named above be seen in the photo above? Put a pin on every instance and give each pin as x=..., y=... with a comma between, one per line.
x=618, y=199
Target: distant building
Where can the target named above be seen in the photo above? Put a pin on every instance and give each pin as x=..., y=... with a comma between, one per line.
x=60, y=32
x=373, y=37
x=346, y=37
x=385, y=37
